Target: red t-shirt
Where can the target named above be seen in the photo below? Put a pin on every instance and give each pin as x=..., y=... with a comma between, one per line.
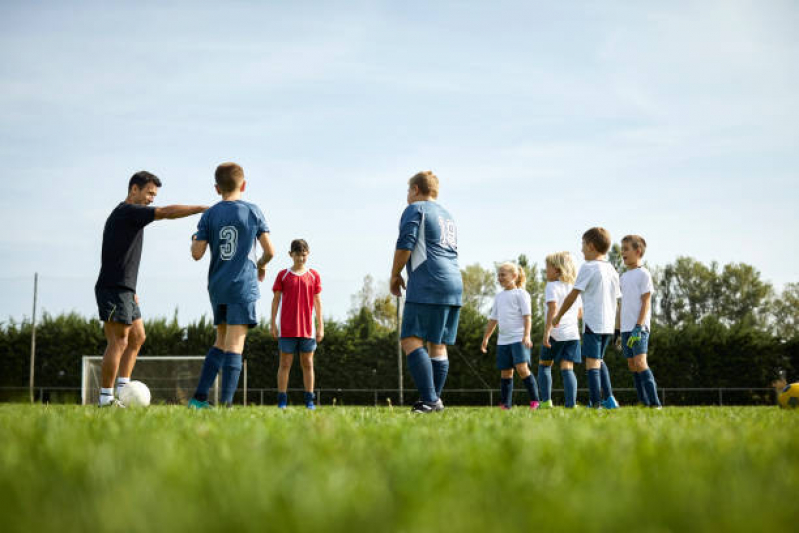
x=296, y=301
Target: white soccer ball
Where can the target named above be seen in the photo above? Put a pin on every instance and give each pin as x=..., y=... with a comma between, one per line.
x=135, y=394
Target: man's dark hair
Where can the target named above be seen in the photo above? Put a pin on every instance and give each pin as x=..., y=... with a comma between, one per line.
x=299, y=246
x=142, y=178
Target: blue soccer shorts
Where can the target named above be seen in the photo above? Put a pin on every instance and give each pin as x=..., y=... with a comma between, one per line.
x=510, y=355
x=241, y=314
x=595, y=344
x=296, y=344
x=561, y=351
x=430, y=322
x=639, y=348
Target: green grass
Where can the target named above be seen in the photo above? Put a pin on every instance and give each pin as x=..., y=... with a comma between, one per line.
x=349, y=469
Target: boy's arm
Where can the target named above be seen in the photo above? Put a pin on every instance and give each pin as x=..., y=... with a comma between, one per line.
x=567, y=303
x=490, y=327
x=528, y=323
x=396, y=284
x=198, y=248
x=266, y=256
x=646, y=302
x=178, y=211
x=275, y=305
x=552, y=309
x=320, y=325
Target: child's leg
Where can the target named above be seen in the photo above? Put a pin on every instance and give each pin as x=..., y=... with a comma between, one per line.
x=420, y=367
x=506, y=388
x=594, y=387
x=569, y=383
x=647, y=380
x=213, y=362
x=286, y=359
x=545, y=380
x=231, y=368
x=440, y=361
x=639, y=385
x=306, y=362
x=529, y=381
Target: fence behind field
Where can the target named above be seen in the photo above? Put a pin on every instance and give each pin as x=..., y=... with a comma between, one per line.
x=453, y=397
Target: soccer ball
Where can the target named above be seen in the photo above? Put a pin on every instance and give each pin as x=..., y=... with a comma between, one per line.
x=135, y=394
x=788, y=398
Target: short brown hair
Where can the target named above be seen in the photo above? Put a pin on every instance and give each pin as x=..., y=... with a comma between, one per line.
x=636, y=241
x=229, y=177
x=299, y=246
x=599, y=238
x=426, y=181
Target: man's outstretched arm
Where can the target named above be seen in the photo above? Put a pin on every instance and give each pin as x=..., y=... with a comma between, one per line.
x=178, y=211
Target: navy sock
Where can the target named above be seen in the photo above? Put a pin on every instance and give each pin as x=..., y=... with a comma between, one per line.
x=532, y=387
x=604, y=377
x=282, y=398
x=569, y=387
x=545, y=382
x=309, y=397
x=594, y=393
x=231, y=369
x=440, y=371
x=506, y=391
x=211, y=366
x=639, y=388
x=650, y=387
x=421, y=369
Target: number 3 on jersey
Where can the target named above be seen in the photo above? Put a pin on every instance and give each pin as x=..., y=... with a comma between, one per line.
x=229, y=236
x=449, y=234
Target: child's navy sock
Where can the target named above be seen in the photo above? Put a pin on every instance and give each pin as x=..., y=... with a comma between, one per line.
x=594, y=393
x=231, y=369
x=532, y=387
x=650, y=387
x=639, y=388
x=506, y=391
x=604, y=377
x=440, y=371
x=282, y=399
x=211, y=366
x=421, y=369
x=569, y=387
x=545, y=382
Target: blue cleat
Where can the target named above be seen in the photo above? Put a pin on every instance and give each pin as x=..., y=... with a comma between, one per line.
x=196, y=404
x=309, y=398
x=282, y=400
x=610, y=403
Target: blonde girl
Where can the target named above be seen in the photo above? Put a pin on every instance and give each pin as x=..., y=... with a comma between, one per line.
x=511, y=312
x=560, y=344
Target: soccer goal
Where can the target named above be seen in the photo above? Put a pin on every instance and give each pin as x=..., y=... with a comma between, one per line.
x=171, y=379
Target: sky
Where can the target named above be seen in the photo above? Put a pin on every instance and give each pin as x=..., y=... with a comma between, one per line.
x=678, y=121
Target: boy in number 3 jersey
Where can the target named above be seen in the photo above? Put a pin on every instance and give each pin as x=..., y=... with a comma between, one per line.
x=230, y=227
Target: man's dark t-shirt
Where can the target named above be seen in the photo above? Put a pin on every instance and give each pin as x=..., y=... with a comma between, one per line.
x=122, y=244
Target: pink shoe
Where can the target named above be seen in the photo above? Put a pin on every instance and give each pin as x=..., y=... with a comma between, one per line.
x=534, y=406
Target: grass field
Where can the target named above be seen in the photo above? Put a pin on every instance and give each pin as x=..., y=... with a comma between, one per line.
x=73, y=468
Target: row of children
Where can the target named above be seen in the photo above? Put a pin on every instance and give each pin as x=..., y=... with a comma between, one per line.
x=611, y=309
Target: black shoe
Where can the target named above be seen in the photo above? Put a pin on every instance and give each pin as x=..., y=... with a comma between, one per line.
x=421, y=407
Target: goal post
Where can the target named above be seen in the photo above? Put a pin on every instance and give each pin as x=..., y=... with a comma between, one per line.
x=171, y=379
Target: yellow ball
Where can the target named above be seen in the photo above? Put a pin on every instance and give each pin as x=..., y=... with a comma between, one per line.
x=789, y=396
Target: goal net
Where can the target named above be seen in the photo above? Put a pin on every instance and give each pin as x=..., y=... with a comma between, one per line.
x=171, y=379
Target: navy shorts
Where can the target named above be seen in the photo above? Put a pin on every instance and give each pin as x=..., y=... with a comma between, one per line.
x=117, y=305
x=430, y=322
x=242, y=314
x=639, y=348
x=561, y=351
x=296, y=344
x=510, y=355
x=595, y=344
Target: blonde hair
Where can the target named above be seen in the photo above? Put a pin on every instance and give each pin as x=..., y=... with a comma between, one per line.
x=563, y=262
x=426, y=181
x=521, y=277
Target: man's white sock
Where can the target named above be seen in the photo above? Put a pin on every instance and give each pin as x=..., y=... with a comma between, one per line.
x=106, y=396
x=121, y=382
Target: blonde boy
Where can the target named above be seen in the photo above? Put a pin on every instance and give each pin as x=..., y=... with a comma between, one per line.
x=634, y=317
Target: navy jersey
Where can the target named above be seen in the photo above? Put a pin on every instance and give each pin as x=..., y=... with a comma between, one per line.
x=428, y=231
x=231, y=229
x=122, y=244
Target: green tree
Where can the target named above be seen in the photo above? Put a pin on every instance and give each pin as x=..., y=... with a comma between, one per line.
x=479, y=287
x=785, y=313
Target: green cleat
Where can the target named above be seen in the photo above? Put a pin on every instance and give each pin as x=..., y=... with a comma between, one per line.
x=197, y=404
x=546, y=405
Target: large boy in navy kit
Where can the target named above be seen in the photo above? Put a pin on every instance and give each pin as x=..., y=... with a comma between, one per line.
x=428, y=245
x=230, y=227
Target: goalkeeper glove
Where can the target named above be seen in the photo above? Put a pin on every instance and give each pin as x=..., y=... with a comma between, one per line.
x=635, y=336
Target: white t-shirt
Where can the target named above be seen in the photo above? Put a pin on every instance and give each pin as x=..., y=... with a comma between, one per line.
x=567, y=329
x=599, y=283
x=634, y=284
x=510, y=308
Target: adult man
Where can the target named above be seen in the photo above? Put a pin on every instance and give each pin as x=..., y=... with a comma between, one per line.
x=428, y=245
x=115, y=289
